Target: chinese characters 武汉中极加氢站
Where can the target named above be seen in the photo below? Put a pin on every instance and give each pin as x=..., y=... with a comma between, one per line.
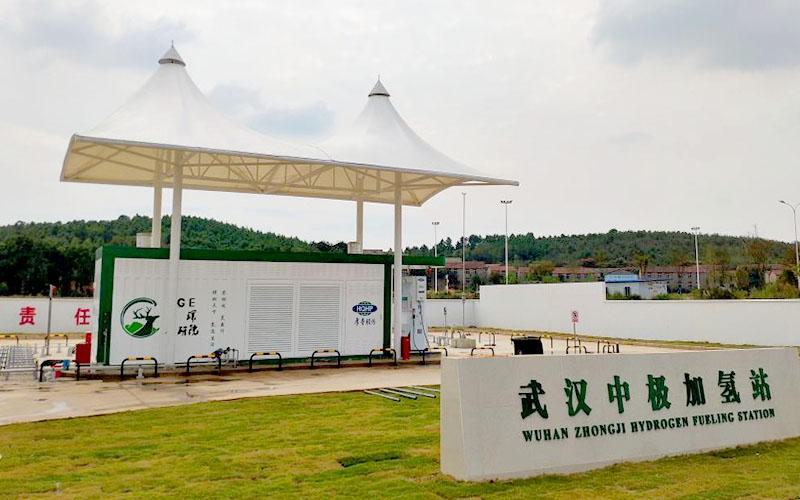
x=576, y=392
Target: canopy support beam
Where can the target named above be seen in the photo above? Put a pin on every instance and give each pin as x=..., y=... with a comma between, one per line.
x=174, y=252
x=398, y=260
x=360, y=213
x=155, y=231
x=360, y=222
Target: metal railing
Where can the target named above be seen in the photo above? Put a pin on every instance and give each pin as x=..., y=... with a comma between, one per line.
x=481, y=348
x=384, y=350
x=10, y=336
x=494, y=338
x=429, y=350
x=574, y=342
x=608, y=348
x=325, y=351
x=266, y=353
x=205, y=356
x=58, y=335
x=143, y=358
x=576, y=349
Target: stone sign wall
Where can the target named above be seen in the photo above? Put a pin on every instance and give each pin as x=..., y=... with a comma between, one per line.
x=527, y=415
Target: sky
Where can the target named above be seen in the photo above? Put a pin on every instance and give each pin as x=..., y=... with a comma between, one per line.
x=657, y=115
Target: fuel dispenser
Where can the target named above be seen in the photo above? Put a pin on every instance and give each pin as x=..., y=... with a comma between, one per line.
x=414, y=327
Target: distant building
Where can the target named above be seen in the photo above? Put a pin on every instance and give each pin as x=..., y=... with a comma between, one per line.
x=678, y=278
x=774, y=272
x=579, y=273
x=472, y=268
x=500, y=270
x=629, y=284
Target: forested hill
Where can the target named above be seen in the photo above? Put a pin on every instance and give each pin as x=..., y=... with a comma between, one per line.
x=617, y=248
x=197, y=232
x=35, y=254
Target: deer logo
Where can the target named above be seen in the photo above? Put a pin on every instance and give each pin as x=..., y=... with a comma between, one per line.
x=137, y=319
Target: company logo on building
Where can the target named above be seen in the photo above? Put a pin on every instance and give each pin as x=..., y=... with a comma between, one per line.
x=365, y=308
x=136, y=318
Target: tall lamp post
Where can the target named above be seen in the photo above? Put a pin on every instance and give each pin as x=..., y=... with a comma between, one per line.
x=796, y=253
x=696, y=230
x=463, y=256
x=435, y=254
x=506, y=203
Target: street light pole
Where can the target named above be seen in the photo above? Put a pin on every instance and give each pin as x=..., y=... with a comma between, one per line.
x=506, y=203
x=463, y=255
x=696, y=230
x=435, y=254
x=796, y=253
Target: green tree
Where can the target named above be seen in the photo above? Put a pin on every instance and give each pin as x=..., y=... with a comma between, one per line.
x=641, y=261
x=539, y=270
x=759, y=251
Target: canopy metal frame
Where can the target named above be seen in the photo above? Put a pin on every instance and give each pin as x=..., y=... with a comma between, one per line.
x=211, y=170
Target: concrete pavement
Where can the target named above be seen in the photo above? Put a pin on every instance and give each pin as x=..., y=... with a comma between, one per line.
x=23, y=400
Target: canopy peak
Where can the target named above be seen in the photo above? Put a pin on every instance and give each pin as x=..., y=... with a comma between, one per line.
x=171, y=56
x=378, y=89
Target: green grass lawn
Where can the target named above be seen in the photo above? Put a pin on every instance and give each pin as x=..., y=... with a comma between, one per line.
x=345, y=445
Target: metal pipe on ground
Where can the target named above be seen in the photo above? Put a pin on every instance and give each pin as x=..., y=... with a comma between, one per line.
x=425, y=388
x=398, y=393
x=382, y=395
x=417, y=393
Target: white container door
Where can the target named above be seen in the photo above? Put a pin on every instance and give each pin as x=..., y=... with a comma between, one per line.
x=363, y=317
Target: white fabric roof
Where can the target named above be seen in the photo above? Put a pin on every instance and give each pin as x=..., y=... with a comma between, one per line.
x=380, y=136
x=170, y=122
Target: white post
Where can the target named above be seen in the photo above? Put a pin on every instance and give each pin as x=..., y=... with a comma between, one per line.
x=435, y=254
x=506, y=244
x=463, y=256
x=49, y=317
x=360, y=222
x=506, y=203
x=796, y=251
x=174, y=256
x=695, y=230
x=398, y=260
x=155, y=231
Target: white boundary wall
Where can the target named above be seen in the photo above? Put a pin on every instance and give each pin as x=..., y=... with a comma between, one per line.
x=434, y=312
x=547, y=307
x=66, y=315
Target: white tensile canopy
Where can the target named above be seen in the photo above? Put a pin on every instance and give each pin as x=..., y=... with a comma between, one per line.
x=169, y=134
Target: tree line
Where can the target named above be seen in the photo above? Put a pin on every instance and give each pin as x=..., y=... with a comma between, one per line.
x=615, y=249
x=33, y=255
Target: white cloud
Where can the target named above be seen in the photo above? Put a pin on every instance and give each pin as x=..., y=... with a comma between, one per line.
x=86, y=32
x=526, y=91
x=717, y=33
